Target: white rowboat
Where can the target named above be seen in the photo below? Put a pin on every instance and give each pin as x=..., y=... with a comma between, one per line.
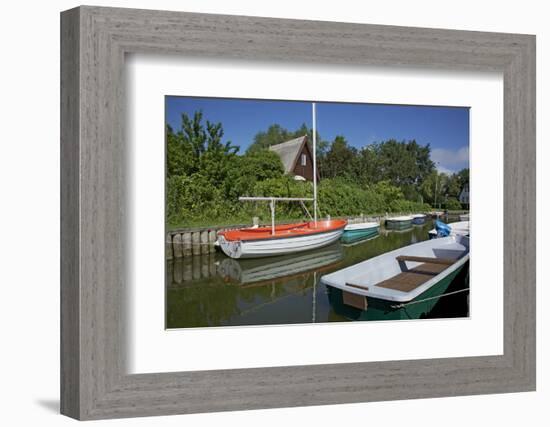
x=383, y=277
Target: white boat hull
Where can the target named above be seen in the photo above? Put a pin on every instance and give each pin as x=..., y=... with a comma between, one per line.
x=362, y=226
x=277, y=246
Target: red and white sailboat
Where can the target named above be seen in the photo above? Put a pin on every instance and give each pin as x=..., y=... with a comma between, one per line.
x=255, y=242
x=280, y=240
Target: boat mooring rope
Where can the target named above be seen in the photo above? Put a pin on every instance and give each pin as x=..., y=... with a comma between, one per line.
x=428, y=299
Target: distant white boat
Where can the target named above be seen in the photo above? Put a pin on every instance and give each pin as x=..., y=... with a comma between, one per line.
x=464, y=217
x=409, y=274
x=360, y=231
x=461, y=228
x=399, y=222
x=361, y=226
x=418, y=219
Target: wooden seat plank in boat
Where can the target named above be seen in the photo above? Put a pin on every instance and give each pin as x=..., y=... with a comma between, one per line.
x=446, y=261
x=413, y=278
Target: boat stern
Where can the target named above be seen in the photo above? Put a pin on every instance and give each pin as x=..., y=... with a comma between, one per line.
x=232, y=248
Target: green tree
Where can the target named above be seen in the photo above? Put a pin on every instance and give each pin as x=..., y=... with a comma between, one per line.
x=198, y=148
x=339, y=159
x=436, y=188
x=403, y=163
x=453, y=204
x=179, y=156
x=388, y=192
x=464, y=176
x=275, y=134
x=366, y=166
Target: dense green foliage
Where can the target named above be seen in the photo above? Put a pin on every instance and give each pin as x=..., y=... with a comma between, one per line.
x=439, y=189
x=205, y=177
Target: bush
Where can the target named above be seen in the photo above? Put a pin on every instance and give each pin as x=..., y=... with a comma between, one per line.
x=285, y=186
x=408, y=206
x=338, y=197
x=190, y=198
x=251, y=168
x=453, y=204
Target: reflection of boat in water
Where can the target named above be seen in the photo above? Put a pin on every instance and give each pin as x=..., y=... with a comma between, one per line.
x=453, y=228
x=399, y=222
x=404, y=283
x=361, y=231
x=258, y=270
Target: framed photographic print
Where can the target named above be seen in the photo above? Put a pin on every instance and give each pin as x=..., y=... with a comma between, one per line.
x=292, y=213
x=306, y=203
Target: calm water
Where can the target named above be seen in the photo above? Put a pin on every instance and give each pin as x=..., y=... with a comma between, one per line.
x=215, y=290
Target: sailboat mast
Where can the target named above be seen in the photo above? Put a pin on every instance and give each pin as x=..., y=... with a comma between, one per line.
x=314, y=165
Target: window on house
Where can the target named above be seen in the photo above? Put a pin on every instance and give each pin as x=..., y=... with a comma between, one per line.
x=303, y=159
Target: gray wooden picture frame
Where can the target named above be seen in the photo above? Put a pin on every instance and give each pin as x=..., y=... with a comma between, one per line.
x=94, y=41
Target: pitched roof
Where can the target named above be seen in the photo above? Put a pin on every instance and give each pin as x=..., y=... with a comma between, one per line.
x=288, y=152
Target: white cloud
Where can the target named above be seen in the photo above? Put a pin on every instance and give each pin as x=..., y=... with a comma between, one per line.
x=449, y=160
x=444, y=170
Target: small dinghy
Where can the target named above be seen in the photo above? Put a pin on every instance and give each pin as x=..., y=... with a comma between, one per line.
x=418, y=219
x=402, y=284
x=361, y=231
x=399, y=222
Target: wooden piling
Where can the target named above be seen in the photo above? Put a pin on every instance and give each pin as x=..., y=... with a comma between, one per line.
x=169, y=253
x=204, y=242
x=177, y=246
x=196, y=243
x=187, y=250
x=212, y=237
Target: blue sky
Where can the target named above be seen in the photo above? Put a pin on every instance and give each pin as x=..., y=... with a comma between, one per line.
x=446, y=129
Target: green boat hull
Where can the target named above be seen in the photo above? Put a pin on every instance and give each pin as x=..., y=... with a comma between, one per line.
x=352, y=236
x=378, y=309
x=398, y=225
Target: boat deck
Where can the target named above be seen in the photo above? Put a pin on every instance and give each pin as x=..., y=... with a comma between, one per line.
x=413, y=278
